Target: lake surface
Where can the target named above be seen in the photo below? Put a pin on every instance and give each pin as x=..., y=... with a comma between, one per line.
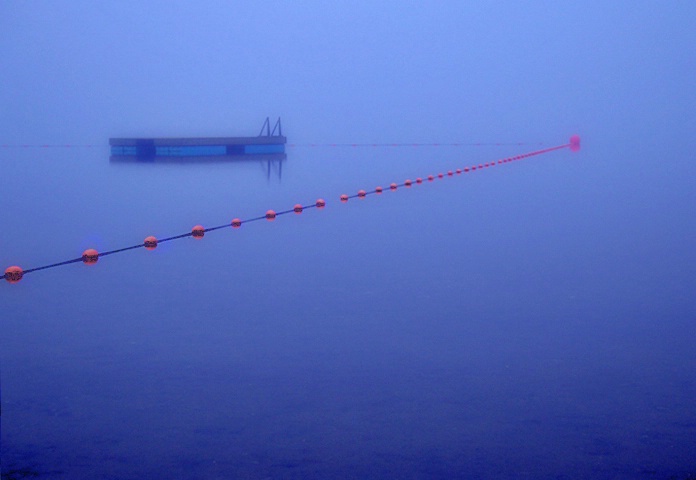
x=531, y=320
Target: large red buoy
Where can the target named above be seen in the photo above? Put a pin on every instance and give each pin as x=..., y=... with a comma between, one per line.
x=297, y=208
x=321, y=203
x=236, y=223
x=14, y=274
x=150, y=243
x=361, y=193
x=378, y=190
x=90, y=256
x=392, y=186
x=575, y=143
x=407, y=183
x=270, y=215
x=344, y=198
x=197, y=232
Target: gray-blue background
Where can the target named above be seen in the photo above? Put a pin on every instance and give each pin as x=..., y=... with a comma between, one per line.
x=534, y=320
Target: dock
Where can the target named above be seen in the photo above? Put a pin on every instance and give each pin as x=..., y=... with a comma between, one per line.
x=267, y=143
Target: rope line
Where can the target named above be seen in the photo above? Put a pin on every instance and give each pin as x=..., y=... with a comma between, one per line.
x=312, y=145
x=458, y=144
x=53, y=146
x=14, y=273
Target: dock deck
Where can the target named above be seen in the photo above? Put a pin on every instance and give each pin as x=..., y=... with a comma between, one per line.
x=150, y=148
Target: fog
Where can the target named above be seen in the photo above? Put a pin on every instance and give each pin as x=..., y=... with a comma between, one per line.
x=530, y=320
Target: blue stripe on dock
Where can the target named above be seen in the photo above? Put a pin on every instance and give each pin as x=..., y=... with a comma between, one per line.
x=191, y=151
x=255, y=149
x=119, y=150
x=150, y=151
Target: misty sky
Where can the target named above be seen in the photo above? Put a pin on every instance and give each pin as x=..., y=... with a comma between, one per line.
x=346, y=71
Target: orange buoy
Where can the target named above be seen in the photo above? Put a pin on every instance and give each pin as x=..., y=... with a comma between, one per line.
x=459, y=170
x=419, y=180
x=392, y=186
x=407, y=183
x=90, y=256
x=13, y=274
x=150, y=243
x=439, y=175
x=430, y=178
x=197, y=232
x=297, y=208
x=378, y=190
x=466, y=169
x=449, y=173
x=236, y=223
x=361, y=193
x=344, y=198
x=321, y=203
x=270, y=215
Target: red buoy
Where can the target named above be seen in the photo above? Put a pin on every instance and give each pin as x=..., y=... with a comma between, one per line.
x=378, y=190
x=407, y=183
x=466, y=169
x=90, y=256
x=575, y=143
x=459, y=171
x=392, y=186
x=449, y=173
x=361, y=193
x=439, y=175
x=150, y=243
x=236, y=223
x=197, y=232
x=270, y=215
x=13, y=274
x=344, y=198
x=297, y=208
x=321, y=203
x=419, y=180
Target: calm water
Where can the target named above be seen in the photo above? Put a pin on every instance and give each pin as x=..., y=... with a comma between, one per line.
x=533, y=320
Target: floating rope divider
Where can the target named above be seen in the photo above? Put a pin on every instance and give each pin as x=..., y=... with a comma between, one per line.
x=90, y=256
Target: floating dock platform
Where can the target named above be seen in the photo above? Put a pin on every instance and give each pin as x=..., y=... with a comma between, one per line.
x=268, y=142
